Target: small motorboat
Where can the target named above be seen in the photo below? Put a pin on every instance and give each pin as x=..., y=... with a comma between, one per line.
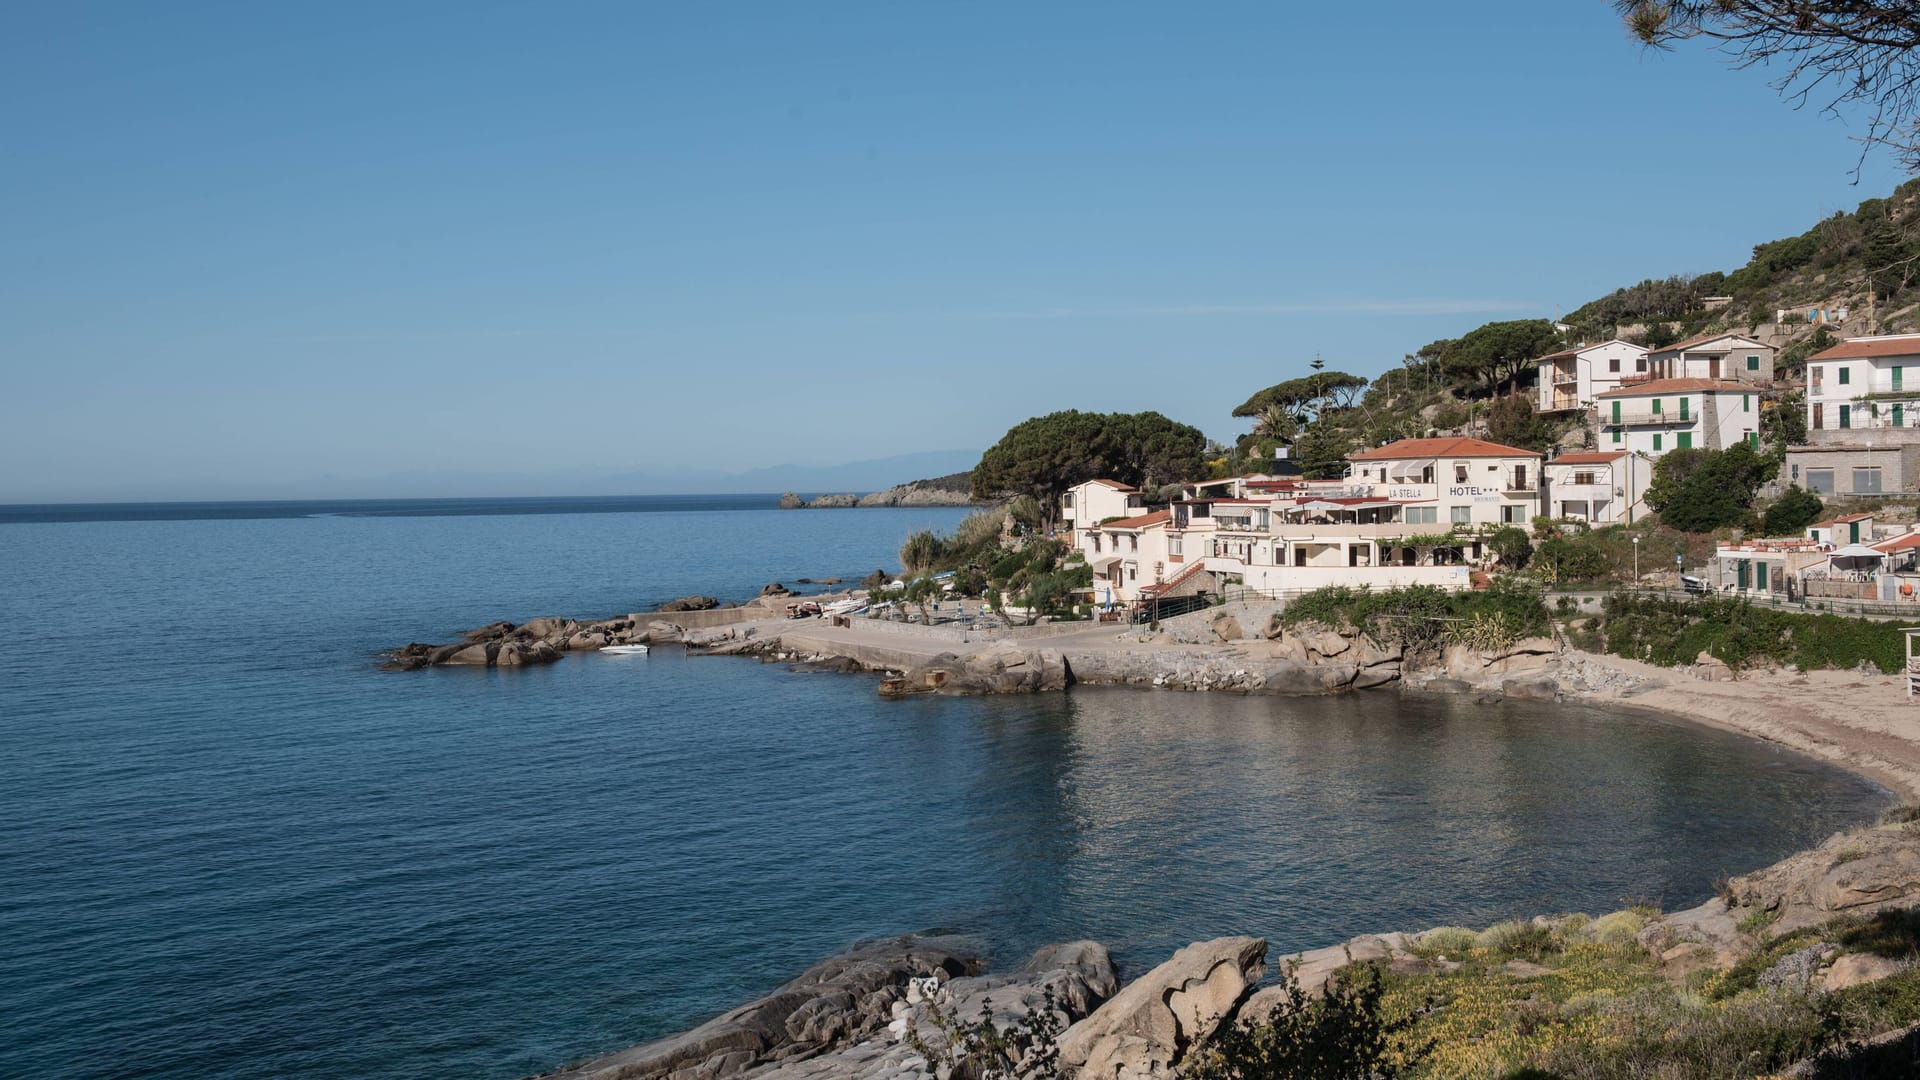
x=624, y=650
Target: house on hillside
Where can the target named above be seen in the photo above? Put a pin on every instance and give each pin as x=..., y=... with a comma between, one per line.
x=1843, y=530
x=1862, y=384
x=1604, y=487
x=1571, y=378
x=1095, y=501
x=1654, y=417
x=1720, y=357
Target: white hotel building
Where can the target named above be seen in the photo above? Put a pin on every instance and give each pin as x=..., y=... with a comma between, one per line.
x=1377, y=527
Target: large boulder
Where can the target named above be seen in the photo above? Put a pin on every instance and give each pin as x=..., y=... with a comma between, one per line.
x=842, y=999
x=1227, y=628
x=1001, y=668
x=691, y=603
x=1145, y=1028
x=1851, y=873
x=791, y=501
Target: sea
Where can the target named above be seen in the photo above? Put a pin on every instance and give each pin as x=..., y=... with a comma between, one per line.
x=231, y=847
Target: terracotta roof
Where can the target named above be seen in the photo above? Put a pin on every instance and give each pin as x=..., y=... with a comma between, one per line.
x=1448, y=447
x=1590, y=457
x=1682, y=346
x=1899, y=543
x=1857, y=348
x=1674, y=386
x=1578, y=349
x=1114, y=484
x=1141, y=522
x=1839, y=521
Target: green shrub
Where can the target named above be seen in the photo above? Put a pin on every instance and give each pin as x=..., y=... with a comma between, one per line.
x=1344, y=1033
x=1517, y=940
x=1452, y=942
x=1619, y=928
x=1675, y=632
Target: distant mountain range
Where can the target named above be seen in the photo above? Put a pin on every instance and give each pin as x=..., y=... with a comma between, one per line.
x=877, y=474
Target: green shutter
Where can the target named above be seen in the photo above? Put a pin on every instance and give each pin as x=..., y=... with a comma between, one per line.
x=1846, y=375
x=1753, y=440
x=1746, y=402
x=1656, y=405
x=1896, y=377
x=1899, y=413
x=1846, y=416
x=1617, y=433
x=1753, y=363
x=1683, y=410
x=1656, y=440
x=1685, y=442
x=1616, y=412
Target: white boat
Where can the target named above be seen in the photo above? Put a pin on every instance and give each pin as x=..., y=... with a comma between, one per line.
x=625, y=650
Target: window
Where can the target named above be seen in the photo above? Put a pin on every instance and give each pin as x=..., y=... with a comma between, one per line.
x=1422, y=515
x=1513, y=515
x=1753, y=363
x=1683, y=410
x=1133, y=542
x=1746, y=402
x=1096, y=542
x=1585, y=478
x=1617, y=435
x=1459, y=474
x=1426, y=475
x=1462, y=515
x=1846, y=414
x=1897, y=379
x=1067, y=500
x=1133, y=572
x=1866, y=480
x=1173, y=545
x=1846, y=375
x=1753, y=440
x=1820, y=481
x=1640, y=365
x=1795, y=473
x=1616, y=412
x=1815, y=373
x=1684, y=442
x=1656, y=440
x=1899, y=415
x=1656, y=406
x=1613, y=365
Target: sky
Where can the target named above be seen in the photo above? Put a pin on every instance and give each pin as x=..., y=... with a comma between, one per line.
x=344, y=249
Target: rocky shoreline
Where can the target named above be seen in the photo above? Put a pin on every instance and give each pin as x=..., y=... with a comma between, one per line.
x=918, y=493
x=849, y=1017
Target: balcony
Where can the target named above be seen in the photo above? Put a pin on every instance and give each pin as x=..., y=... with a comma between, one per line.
x=1648, y=418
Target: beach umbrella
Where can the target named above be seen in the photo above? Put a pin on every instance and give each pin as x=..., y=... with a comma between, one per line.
x=1855, y=557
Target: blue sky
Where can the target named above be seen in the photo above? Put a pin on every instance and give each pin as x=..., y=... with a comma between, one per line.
x=499, y=248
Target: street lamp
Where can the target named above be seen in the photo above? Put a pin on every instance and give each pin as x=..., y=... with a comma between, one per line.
x=1636, y=562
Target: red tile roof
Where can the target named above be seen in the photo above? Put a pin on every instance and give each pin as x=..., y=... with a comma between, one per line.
x=1141, y=522
x=1674, y=386
x=1839, y=521
x=1899, y=543
x=1858, y=348
x=1114, y=484
x=1589, y=458
x=1448, y=447
x=1702, y=339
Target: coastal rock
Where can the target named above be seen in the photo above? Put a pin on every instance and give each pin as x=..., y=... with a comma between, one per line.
x=918, y=493
x=586, y=642
x=776, y=589
x=790, y=501
x=690, y=603
x=525, y=654
x=833, y=502
x=1001, y=668
x=1858, y=969
x=843, y=998
x=879, y=579
x=1860, y=873
x=1145, y=1028
x=1537, y=689
x=1227, y=628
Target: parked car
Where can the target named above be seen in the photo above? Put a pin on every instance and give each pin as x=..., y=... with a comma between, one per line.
x=1694, y=584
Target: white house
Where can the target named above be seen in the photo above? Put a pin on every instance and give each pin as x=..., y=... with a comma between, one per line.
x=1843, y=530
x=1654, y=417
x=1450, y=481
x=1722, y=357
x=1096, y=501
x=1127, y=556
x=1863, y=383
x=1570, y=379
x=1604, y=487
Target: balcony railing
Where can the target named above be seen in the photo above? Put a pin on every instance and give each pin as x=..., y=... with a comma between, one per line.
x=1644, y=417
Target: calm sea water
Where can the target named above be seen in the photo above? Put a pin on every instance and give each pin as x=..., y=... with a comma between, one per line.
x=234, y=849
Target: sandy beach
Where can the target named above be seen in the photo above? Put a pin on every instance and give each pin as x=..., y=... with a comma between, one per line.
x=1861, y=722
